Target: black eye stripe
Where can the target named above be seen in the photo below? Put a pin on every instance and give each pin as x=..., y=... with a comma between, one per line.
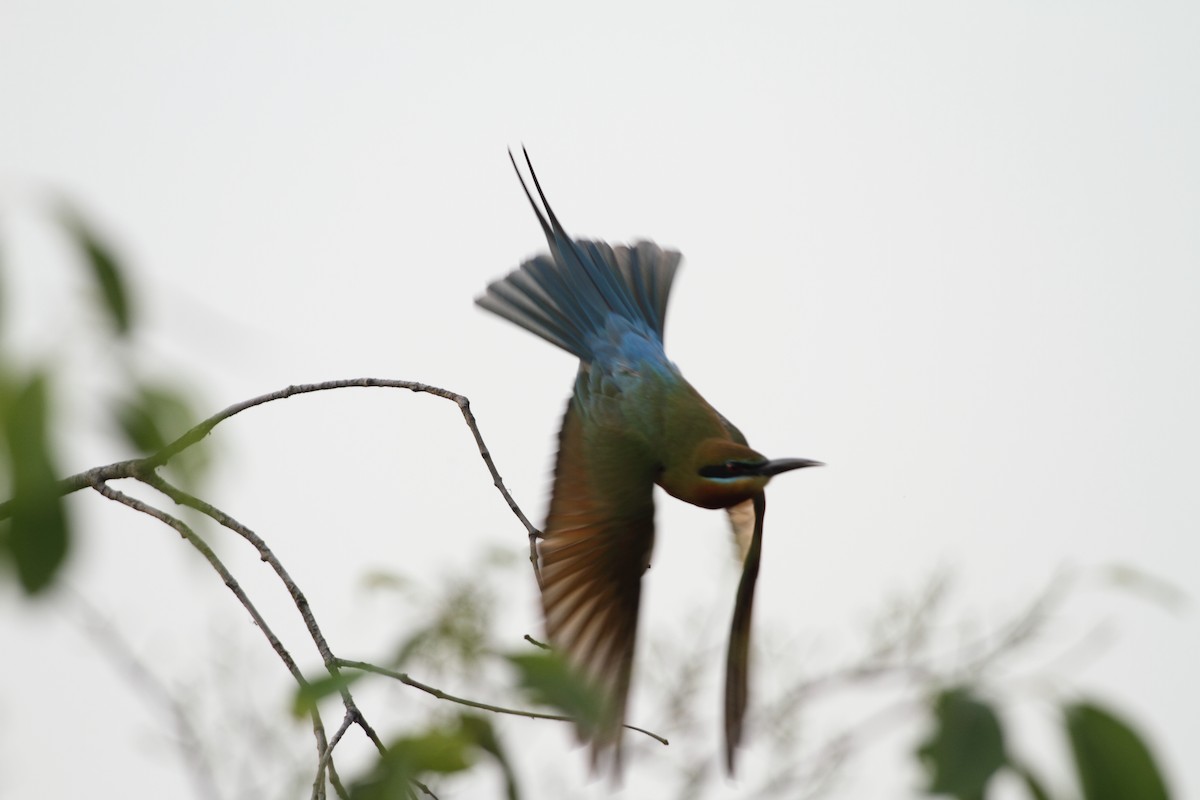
x=730, y=469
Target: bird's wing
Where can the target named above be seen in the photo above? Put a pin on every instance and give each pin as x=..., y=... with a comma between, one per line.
x=595, y=548
x=737, y=662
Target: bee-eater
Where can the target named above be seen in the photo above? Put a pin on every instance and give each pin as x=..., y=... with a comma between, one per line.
x=632, y=422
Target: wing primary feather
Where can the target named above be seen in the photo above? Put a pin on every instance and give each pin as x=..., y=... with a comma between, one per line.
x=592, y=563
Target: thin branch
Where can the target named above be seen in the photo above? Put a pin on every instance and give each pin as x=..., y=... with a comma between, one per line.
x=184, y=530
x=1019, y=631
x=335, y=781
x=327, y=757
x=145, y=470
x=915, y=667
x=298, y=598
x=136, y=467
x=439, y=694
x=190, y=744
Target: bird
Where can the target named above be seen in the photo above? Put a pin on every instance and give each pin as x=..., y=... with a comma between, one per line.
x=632, y=422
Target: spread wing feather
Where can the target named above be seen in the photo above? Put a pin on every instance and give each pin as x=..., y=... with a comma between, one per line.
x=596, y=546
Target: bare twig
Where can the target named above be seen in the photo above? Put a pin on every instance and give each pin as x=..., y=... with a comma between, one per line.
x=301, y=602
x=366, y=666
x=136, y=467
x=319, y=782
x=195, y=541
x=190, y=744
x=145, y=470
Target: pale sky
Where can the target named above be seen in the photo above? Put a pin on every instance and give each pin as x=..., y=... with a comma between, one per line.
x=950, y=249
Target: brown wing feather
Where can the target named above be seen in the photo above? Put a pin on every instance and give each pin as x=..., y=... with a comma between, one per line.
x=595, y=548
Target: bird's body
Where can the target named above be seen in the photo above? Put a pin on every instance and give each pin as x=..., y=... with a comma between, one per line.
x=633, y=421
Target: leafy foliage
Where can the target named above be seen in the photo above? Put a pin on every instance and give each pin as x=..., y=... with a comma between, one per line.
x=309, y=695
x=1113, y=762
x=106, y=270
x=152, y=417
x=548, y=680
x=440, y=750
x=35, y=531
x=966, y=748
x=36, y=535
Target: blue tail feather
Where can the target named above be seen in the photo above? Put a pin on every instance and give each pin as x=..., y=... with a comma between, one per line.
x=568, y=309
x=569, y=297
x=522, y=301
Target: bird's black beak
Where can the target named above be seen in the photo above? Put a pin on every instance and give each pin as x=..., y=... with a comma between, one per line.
x=786, y=465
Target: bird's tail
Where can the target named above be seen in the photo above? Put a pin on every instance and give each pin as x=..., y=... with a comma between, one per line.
x=567, y=297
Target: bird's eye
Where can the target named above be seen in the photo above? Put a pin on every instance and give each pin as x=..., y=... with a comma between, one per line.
x=730, y=469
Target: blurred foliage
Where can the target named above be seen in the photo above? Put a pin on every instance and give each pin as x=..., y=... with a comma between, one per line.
x=1113, y=761
x=35, y=529
x=549, y=681
x=106, y=269
x=454, y=635
x=450, y=621
x=36, y=536
x=966, y=747
x=308, y=696
x=440, y=750
x=153, y=415
x=962, y=688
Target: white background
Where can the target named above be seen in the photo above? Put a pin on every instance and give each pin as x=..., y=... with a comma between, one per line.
x=951, y=249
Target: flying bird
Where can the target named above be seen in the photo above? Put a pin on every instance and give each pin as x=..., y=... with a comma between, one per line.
x=632, y=422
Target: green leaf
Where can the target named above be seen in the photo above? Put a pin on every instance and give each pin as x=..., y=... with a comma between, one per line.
x=442, y=751
x=550, y=681
x=965, y=749
x=1036, y=789
x=437, y=750
x=305, y=701
x=1114, y=763
x=106, y=270
x=153, y=417
x=481, y=732
x=37, y=536
x=455, y=634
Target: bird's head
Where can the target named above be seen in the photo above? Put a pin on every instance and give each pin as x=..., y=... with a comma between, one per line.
x=722, y=473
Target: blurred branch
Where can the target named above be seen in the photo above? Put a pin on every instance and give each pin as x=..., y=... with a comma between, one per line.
x=189, y=743
x=914, y=656
x=184, y=530
x=310, y=622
